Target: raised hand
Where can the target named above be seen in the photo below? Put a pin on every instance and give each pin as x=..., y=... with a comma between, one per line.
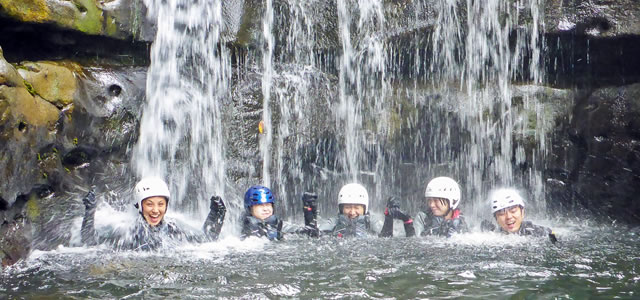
x=216, y=204
x=309, y=199
x=393, y=210
x=89, y=200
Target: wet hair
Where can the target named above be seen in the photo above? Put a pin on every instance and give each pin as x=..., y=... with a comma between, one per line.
x=442, y=201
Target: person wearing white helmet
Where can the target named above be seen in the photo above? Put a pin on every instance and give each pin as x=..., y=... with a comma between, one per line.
x=151, y=199
x=441, y=215
x=353, y=215
x=507, y=207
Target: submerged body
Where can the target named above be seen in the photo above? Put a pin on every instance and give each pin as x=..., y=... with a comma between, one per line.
x=151, y=229
x=508, y=210
x=427, y=223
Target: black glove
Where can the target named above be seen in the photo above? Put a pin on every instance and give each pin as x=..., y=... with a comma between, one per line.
x=393, y=210
x=217, y=204
x=90, y=201
x=309, y=199
x=310, y=209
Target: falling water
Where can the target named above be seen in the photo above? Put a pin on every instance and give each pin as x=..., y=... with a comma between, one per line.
x=362, y=84
x=181, y=128
x=474, y=64
x=267, y=82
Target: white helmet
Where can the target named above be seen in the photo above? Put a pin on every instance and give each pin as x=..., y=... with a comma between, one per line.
x=150, y=187
x=504, y=198
x=444, y=187
x=354, y=193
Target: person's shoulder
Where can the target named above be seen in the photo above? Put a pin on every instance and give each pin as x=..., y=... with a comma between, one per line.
x=532, y=229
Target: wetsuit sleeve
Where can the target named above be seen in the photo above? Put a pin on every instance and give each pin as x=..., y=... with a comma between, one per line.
x=291, y=228
x=387, y=227
x=213, y=224
x=409, y=230
x=393, y=211
x=418, y=223
x=328, y=225
x=310, y=212
x=88, y=230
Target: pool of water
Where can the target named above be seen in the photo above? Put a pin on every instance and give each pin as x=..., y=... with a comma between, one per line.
x=590, y=262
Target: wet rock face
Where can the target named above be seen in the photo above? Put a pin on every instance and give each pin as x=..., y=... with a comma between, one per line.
x=117, y=19
x=593, y=18
x=15, y=241
x=597, y=155
x=59, y=124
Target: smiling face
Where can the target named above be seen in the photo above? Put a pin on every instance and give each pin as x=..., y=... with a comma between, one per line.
x=262, y=211
x=153, y=209
x=510, y=218
x=439, y=207
x=352, y=211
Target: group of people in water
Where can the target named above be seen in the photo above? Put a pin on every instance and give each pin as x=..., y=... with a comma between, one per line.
x=440, y=216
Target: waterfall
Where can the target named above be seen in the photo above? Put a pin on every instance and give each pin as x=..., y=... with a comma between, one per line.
x=267, y=82
x=362, y=85
x=459, y=118
x=181, y=127
x=474, y=65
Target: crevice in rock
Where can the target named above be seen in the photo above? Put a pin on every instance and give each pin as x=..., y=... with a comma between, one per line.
x=4, y=205
x=22, y=126
x=115, y=90
x=34, y=42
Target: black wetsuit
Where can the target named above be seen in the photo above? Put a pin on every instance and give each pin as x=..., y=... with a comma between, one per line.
x=434, y=225
x=142, y=236
x=527, y=228
x=273, y=228
x=270, y=227
x=342, y=226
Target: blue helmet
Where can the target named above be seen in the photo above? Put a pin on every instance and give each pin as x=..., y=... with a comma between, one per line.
x=257, y=194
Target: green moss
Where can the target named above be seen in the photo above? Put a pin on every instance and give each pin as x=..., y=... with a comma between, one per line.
x=90, y=20
x=111, y=26
x=30, y=88
x=32, y=208
x=27, y=10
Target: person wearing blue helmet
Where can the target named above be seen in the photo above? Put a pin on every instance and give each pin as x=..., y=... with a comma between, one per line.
x=259, y=219
x=151, y=229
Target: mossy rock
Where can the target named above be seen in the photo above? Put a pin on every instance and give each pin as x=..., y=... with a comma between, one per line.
x=27, y=110
x=35, y=11
x=51, y=81
x=88, y=16
x=9, y=76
